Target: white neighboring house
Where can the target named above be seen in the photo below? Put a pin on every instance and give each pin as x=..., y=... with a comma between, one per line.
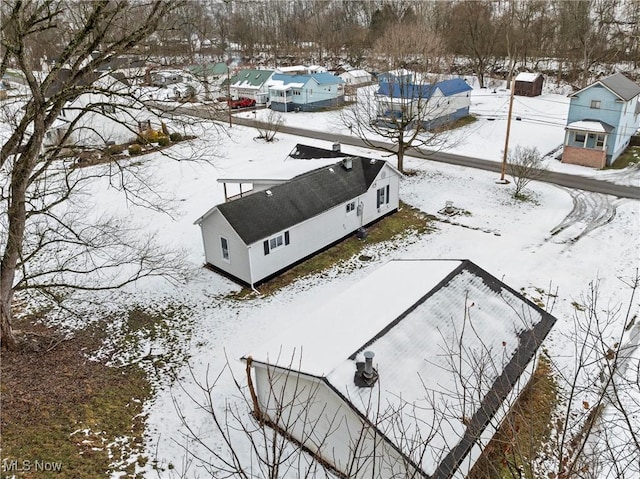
x=109, y=115
x=452, y=348
x=251, y=83
x=254, y=237
x=357, y=77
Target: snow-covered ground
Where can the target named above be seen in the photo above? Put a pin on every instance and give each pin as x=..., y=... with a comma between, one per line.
x=511, y=239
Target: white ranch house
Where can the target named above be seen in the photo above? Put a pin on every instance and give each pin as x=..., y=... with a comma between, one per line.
x=277, y=224
x=399, y=377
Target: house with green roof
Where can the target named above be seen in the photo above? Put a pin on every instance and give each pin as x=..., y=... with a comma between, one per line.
x=212, y=74
x=252, y=84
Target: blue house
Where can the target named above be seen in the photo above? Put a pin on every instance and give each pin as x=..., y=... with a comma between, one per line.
x=602, y=118
x=432, y=104
x=305, y=92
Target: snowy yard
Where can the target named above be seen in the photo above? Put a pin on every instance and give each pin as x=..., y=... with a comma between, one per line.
x=510, y=239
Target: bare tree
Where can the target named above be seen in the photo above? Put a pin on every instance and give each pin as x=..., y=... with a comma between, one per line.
x=524, y=165
x=584, y=35
x=475, y=34
x=591, y=399
x=402, y=113
x=270, y=126
x=37, y=181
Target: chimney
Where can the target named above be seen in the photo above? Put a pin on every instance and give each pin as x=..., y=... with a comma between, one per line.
x=366, y=375
x=347, y=163
x=336, y=147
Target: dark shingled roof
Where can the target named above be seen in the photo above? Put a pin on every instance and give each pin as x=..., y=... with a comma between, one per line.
x=621, y=86
x=261, y=215
x=306, y=152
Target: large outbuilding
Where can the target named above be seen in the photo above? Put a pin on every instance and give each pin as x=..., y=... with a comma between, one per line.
x=407, y=373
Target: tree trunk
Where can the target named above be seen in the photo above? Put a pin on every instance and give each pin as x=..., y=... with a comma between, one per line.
x=401, y=156
x=7, y=339
x=17, y=217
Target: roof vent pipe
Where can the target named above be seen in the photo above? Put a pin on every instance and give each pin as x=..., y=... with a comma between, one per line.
x=336, y=147
x=366, y=375
x=368, y=372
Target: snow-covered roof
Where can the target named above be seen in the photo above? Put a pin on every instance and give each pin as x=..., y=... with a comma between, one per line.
x=250, y=78
x=292, y=69
x=591, y=126
x=357, y=74
x=256, y=173
x=527, y=76
x=413, y=314
x=282, y=81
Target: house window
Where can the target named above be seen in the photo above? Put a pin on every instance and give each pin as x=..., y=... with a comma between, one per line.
x=383, y=196
x=578, y=137
x=275, y=242
x=600, y=141
x=595, y=104
x=351, y=206
x=224, y=245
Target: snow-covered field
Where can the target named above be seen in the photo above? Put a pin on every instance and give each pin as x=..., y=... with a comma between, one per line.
x=510, y=239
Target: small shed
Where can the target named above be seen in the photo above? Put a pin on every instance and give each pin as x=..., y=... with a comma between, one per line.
x=528, y=84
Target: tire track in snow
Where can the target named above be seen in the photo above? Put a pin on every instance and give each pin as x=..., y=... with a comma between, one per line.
x=590, y=211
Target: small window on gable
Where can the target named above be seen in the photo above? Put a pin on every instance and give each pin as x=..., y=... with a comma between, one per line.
x=595, y=104
x=382, y=196
x=224, y=244
x=351, y=206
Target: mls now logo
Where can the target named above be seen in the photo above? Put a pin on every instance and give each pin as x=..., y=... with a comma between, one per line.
x=13, y=465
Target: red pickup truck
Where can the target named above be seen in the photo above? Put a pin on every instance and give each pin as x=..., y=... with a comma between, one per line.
x=239, y=103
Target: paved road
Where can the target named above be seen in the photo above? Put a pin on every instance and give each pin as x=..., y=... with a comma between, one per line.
x=561, y=179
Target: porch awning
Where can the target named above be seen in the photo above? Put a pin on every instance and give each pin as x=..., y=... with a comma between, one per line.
x=590, y=126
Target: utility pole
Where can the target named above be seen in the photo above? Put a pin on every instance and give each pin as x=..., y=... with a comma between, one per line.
x=229, y=90
x=503, y=170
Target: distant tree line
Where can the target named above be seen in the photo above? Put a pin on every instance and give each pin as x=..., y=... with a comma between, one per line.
x=584, y=37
